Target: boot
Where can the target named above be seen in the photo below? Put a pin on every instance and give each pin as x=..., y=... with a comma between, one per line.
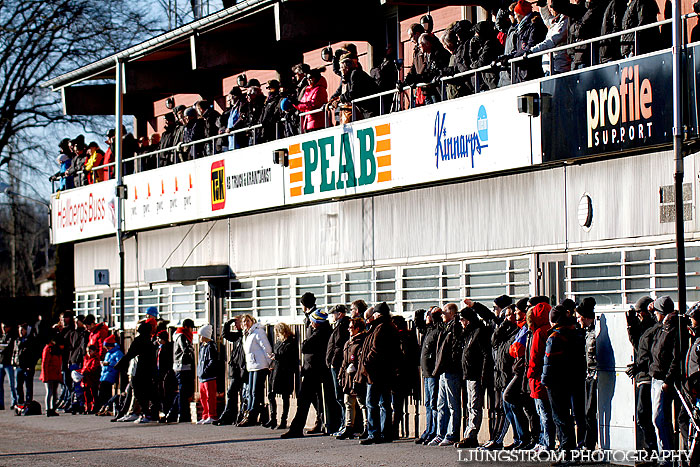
x=51, y=413
x=346, y=433
x=317, y=428
x=283, y=424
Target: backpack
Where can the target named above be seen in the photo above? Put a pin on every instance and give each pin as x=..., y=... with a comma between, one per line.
x=30, y=408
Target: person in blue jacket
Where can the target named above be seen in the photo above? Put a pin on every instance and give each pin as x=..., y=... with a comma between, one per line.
x=109, y=374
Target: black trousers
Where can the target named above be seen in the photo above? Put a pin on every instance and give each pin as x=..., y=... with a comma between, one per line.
x=310, y=388
x=644, y=421
x=591, y=437
x=273, y=406
x=230, y=413
x=104, y=393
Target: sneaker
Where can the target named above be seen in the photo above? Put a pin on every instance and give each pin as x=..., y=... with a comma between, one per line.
x=419, y=441
x=129, y=418
x=208, y=421
x=446, y=442
x=199, y=422
x=143, y=419
x=435, y=441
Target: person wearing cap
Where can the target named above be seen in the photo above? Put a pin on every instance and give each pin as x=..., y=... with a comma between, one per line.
x=142, y=381
x=271, y=113
x=206, y=372
x=308, y=303
x=233, y=119
x=258, y=358
x=585, y=314
x=167, y=140
x=109, y=374
x=209, y=117
x=194, y=131
x=665, y=369
x=334, y=356
x=642, y=329
x=477, y=368
x=94, y=160
x=429, y=327
x=378, y=365
x=313, y=369
x=299, y=78
x=563, y=364
x=165, y=378
x=358, y=84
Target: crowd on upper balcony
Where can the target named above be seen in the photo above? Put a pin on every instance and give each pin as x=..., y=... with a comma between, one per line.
x=500, y=47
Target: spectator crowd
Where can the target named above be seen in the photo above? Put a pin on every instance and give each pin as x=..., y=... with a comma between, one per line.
x=301, y=101
x=530, y=368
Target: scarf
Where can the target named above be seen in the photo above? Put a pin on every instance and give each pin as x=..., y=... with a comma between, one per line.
x=187, y=332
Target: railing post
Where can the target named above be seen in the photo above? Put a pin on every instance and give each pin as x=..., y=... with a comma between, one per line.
x=325, y=117
x=302, y=130
x=352, y=106
x=635, y=43
x=551, y=63
x=381, y=105
x=442, y=89
x=512, y=72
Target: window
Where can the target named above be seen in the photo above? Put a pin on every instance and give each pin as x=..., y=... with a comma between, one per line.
x=129, y=309
x=88, y=303
x=597, y=275
x=174, y=302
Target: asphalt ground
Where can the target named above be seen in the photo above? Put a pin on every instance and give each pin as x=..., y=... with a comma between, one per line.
x=87, y=440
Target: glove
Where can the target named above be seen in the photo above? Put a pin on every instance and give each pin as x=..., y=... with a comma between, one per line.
x=631, y=370
x=631, y=316
x=541, y=3
x=503, y=58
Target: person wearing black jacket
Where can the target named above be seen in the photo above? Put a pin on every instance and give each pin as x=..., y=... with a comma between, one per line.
x=195, y=130
x=477, y=370
x=7, y=342
x=585, y=19
x=358, y=84
x=530, y=31
x=142, y=381
x=588, y=425
x=334, y=353
x=407, y=382
x=665, y=370
x=25, y=353
x=284, y=374
x=271, y=113
x=209, y=116
x=237, y=373
x=484, y=48
x=167, y=140
x=313, y=369
x=165, y=377
x=612, y=22
x=640, y=13
x=448, y=368
x=428, y=325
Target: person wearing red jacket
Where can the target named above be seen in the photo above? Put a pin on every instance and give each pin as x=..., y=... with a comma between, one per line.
x=538, y=323
x=91, y=377
x=314, y=97
x=98, y=333
x=51, y=374
x=152, y=319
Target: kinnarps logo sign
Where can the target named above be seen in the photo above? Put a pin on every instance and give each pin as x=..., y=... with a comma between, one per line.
x=351, y=159
x=453, y=143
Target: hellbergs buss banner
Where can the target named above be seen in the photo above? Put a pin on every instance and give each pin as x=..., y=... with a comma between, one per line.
x=84, y=213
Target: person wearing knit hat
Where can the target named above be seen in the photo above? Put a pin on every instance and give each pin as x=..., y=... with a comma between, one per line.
x=152, y=311
x=500, y=303
x=523, y=8
x=165, y=383
x=664, y=305
x=569, y=305
x=522, y=304
x=206, y=372
x=318, y=316
x=585, y=314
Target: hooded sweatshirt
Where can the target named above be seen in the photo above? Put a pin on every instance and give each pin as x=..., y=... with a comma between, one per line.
x=109, y=372
x=540, y=331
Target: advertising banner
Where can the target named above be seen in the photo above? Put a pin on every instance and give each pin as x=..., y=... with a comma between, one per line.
x=84, y=212
x=164, y=196
x=607, y=109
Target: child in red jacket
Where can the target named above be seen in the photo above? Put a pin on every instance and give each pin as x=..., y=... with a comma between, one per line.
x=51, y=374
x=91, y=377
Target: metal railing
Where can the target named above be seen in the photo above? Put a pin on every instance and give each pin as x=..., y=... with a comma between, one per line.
x=400, y=92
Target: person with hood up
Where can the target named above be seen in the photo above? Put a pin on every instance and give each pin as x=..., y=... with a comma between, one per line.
x=90, y=381
x=98, y=333
x=334, y=355
x=285, y=372
x=557, y=33
x=183, y=366
x=355, y=392
x=51, y=374
x=258, y=357
x=539, y=325
x=109, y=374
x=564, y=363
x=206, y=372
x=314, y=97
x=380, y=359
x=142, y=381
x=484, y=48
x=428, y=324
x=313, y=350
x=477, y=368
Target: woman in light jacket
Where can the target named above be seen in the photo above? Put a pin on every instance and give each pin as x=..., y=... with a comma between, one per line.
x=258, y=360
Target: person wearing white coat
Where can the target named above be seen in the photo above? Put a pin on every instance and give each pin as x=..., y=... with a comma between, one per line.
x=258, y=360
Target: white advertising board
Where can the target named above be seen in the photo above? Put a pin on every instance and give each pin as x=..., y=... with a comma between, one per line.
x=84, y=212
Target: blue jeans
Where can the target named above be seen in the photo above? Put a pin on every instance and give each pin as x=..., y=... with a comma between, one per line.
x=339, y=396
x=449, y=405
x=544, y=410
x=431, y=414
x=13, y=387
x=256, y=386
x=379, y=411
x=661, y=413
x=25, y=379
x=511, y=419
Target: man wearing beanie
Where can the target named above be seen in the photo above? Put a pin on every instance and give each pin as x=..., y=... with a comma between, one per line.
x=641, y=330
x=308, y=303
x=528, y=34
x=379, y=362
x=563, y=366
x=665, y=370
x=206, y=372
x=313, y=369
x=585, y=314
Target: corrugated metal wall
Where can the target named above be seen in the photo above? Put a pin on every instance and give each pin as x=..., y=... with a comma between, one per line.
x=524, y=212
